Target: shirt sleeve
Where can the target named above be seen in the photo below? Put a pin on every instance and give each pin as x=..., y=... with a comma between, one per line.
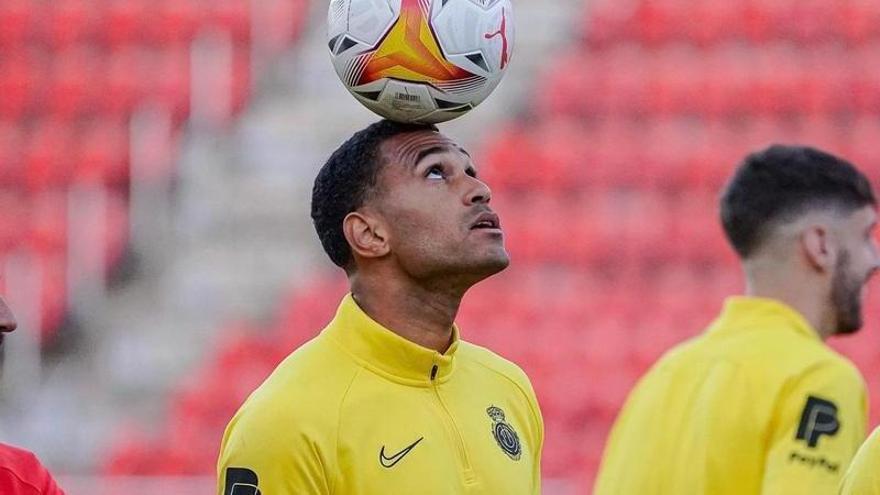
x=863, y=475
x=263, y=454
x=818, y=425
x=27, y=477
x=536, y=428
x=539, y=440
x=51, y=487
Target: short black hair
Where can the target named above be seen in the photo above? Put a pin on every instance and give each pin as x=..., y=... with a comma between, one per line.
x=780, y=183
x=346, y=180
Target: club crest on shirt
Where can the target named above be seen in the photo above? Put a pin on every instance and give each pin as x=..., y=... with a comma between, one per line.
x=504, y=434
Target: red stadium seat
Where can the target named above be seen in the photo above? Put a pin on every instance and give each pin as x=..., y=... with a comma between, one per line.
x=22, y=74
x=52, y=270
x=125, y=82
x=46, y=159
x=102, y=153
x=12, y=141
x=131, y=447
x=70, y=22
x=169, y=81
x=281, y=20
x=173, y=22
x=124, y=22
x=708, y=22
x=13, y=223
x=232, y=16
x=865, y=80
x=73, y=92
x=860, y=18
x=47, y=221
x=241, y=79
x=18, y=20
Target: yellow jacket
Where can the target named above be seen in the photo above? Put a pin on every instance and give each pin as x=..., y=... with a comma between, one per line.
x=360, y=410
x=863, y=476
x=758, y=404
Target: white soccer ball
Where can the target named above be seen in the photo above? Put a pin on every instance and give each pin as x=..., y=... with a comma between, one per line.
x=425, y=61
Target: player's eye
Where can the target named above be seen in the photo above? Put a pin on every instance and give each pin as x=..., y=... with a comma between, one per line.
x=435, y=172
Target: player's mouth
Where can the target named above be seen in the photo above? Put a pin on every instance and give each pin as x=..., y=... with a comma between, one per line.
x=487, y=221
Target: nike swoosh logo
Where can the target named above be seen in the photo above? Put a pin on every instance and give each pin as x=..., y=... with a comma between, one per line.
x=389, y=462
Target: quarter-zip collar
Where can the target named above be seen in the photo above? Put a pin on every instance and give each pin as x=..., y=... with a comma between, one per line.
x=747, y=313
x=387, y=353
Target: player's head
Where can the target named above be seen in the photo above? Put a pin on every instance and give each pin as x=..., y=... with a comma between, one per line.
x=406, y=196
x=7, y=320
x=801, y=207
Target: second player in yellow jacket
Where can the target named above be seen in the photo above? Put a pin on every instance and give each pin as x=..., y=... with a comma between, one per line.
x=758, y=404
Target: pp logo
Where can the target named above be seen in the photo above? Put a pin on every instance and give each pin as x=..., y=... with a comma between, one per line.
x=819, y=418
x=241, y=481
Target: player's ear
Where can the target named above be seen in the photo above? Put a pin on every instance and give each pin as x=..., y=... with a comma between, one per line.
x=819, y=247
x=366, y=234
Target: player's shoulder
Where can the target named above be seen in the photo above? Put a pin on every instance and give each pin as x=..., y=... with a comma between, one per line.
x=765, y=350
x=22, y=467
x=475, y=355
x=797, y=355
x=502, y=373
x=306, y=386
x=14, y=456
x=766, y=356
x=813, y=364
x=836, y=366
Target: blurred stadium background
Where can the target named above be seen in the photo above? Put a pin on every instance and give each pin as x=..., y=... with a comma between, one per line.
x=156, y=161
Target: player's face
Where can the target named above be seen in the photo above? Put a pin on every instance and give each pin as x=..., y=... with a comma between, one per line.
x=858, y=261
x=437, y=210
x=7, y=320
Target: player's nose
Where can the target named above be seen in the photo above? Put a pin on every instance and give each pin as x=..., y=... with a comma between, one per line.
x=7, y=319
x=479, y=192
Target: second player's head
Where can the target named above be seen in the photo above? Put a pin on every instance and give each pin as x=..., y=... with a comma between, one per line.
x=802, y=217
x=407, y=198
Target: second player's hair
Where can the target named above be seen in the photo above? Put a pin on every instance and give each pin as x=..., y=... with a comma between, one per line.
x=781, y=183
x=345, y=181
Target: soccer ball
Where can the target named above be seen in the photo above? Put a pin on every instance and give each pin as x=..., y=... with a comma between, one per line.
x=424, y=61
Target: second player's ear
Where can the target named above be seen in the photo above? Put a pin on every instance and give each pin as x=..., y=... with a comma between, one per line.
x=819, y=247
x=366, y=234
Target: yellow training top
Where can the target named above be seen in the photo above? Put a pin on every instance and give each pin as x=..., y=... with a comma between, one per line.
x=360, y=410
x=757, y=404
x=863, y=477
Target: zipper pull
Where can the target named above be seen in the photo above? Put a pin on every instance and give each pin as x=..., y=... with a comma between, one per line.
x=433, y=372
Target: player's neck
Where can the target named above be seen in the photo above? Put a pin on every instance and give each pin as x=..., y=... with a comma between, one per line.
x=803, y=300
x=422, y=315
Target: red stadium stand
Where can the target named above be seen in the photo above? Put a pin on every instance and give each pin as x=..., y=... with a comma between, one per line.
x=72, y=74
x=608, y=198
x=664, y=97
x=17, y=19
x=70, y=22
